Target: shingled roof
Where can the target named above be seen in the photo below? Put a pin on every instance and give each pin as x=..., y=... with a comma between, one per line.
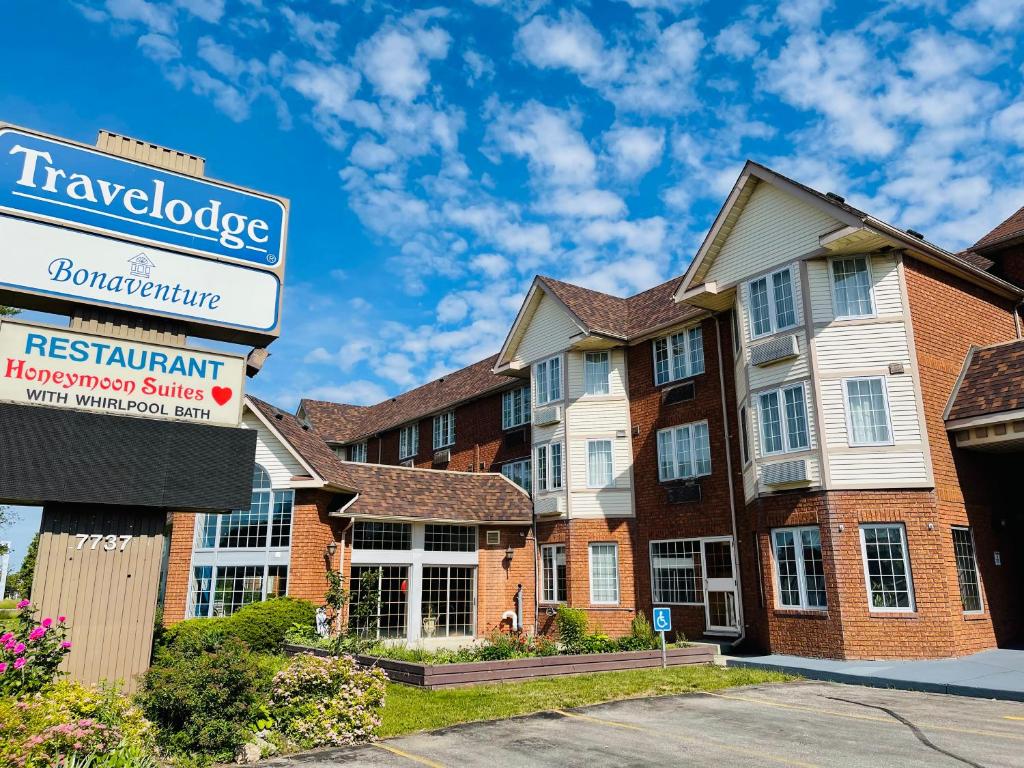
x=342, y=423
x=1010, y=229
x=992, y=382
x=402, y=492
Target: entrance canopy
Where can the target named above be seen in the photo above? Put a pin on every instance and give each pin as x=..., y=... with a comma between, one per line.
x=986, y=408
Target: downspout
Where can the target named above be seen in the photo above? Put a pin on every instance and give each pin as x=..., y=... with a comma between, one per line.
x=732, y=494
x=1016, y=316
x=536, y=574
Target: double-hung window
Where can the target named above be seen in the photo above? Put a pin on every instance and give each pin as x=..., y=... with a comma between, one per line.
x=676, y=573
x=783, y=416
x=552, y=559
x=851, y=287
x=604, y=574
x=596, y=370
x=357, y=452
x=799, y=573
x=771, y=304
x=867, y=411
x=409, y=441
x=600, y=467
x=887, y=567
x=515, y=408
x=549, y=467
x=518, y=472
x=967, y=570
x=684, y=452
x=444, y=430
x=679, y=355
x=547, y=380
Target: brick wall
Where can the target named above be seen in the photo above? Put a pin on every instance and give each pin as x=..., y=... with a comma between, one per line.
x=183, y=525
x=497, y=578
x=312, y=531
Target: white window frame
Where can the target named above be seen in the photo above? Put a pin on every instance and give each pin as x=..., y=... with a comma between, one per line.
x=554, y=587
x=912, y=608
x=672, y=432
x=801, y=569
x=849, y=414
x=650, y=557
x=527, y=474
x=590, y=570
x=357, y=452
x=546, y=479
x=611, y=454
x=404, y=434
x=832, y=287
x=977, y=572
x=670, y=351
x=508, y=407
x=605, y=381
x=448, y=429
x=786, y=447
x=773, y=326
x=547, y=380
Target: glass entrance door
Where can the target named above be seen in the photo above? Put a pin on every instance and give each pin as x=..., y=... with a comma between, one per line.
x=720, y=597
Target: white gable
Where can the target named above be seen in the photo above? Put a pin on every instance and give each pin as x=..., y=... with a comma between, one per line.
x=272, y=454
x=547, y=332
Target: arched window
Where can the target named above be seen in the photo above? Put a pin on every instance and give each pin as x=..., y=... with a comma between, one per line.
x=266, y=523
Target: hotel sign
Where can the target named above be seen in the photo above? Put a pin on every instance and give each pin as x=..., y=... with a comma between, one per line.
x=42, y=365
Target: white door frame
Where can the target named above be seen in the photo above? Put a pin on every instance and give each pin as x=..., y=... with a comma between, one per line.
x=720, y=585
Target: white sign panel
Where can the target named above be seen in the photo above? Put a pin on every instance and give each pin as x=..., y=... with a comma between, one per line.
x=41, y=365
x=64, y=263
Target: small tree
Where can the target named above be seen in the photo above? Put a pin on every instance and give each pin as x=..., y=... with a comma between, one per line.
x=20, y=581
x=8, y=311
x=367, y=609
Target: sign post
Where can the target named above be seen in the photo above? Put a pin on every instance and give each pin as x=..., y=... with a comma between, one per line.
x=663, y=624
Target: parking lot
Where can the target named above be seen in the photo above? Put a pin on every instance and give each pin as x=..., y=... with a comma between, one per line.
x=797, y=724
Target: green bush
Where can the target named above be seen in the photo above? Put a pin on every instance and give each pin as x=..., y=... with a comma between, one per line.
x=203, y=703
x=572, y=628
x=643, y=634
x=262, y=626
x=327, y=701
x=92, y=725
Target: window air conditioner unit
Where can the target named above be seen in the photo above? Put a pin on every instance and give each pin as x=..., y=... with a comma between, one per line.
x=493, y=538
x=407, y=463
x=544, y=416
x=443, y=456
x=514, y=438
x=681, y=494
x=774, y=350
x=680, y=394
x=784, y=472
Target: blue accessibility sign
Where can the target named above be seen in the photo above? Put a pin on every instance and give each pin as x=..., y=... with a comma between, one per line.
x=662, y=620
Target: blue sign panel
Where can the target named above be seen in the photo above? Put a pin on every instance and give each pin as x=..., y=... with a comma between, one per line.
x=662, y=620
x=42, y=178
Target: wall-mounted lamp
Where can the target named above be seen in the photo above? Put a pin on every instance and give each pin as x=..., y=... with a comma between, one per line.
x=330, y=551
x=842, y=527
x=508, y=554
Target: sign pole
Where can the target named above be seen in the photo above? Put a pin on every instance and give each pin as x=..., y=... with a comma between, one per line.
x=664, y=654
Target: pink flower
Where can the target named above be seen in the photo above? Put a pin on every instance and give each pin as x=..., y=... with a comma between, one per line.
x=19, y=662
x=19, y=648
x=65, y=644
x=6, y=636
x=47, y=622
x=36, y=633
x=24, y=604
x=3, y=667
x=61, y=619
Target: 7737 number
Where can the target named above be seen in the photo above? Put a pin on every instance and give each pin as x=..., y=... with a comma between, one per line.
x=109, y=542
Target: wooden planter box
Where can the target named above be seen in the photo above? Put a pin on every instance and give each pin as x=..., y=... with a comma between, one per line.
x=449, y=675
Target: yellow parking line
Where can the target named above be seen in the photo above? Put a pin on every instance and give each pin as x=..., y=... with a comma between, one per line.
x=872, y=718
x=1012, y=717
x=761, y=754
x=408, y=755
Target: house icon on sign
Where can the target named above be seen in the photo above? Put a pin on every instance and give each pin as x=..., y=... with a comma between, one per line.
x=141, y=265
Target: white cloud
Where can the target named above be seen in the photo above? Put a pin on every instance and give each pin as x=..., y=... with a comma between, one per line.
x=549, y=139
x=569, y=42
x=491, y=264
x=318, y=35
x=633, y=150
x=999, y=15
x=221, y=57
x=159, y=48
x=737, y=41
x=396, y=58
x=587, y=203
x=158, y=18
x=639, y=236
x=226, y=98
x=934, y=56
x=1008, y=124
x=369, y=154
x=480, y=67
x=357, y=392
x=803, y=13
x=208, y=10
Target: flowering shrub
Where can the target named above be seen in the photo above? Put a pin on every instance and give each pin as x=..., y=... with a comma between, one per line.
x=31, y=652
x=68, y=720
x=318, y=701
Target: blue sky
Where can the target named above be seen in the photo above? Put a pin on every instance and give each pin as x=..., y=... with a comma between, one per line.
x=437, y=157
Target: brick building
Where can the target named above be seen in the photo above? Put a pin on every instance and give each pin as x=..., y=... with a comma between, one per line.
x=798, y=445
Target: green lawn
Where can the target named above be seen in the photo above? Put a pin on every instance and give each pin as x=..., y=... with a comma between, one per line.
x=410, y=709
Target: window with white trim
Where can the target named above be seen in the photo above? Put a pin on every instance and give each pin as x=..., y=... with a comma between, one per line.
x=967, y=570
x=799, y=571
x=887, y=567
x=684, y=452
x=440, y=537
x=600, y=467
x=266, y=523
x=515, y=408
x=596, y=372
x=851, y=288
x=552, y=575
x=771, y=306
x=373, y=534
x=678, y=356
x=604, y=574
x=444, y=430
x=547, y=380
x=518, y=472
x=676, y=572
x=549, y=466
x=783, y=417
x=409, y=441
x=357, y=452
x=867, y=411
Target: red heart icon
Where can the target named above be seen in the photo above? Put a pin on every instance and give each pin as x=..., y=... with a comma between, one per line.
x=221, y=394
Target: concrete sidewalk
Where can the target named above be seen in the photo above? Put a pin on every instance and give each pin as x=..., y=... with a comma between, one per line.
x=994, y=674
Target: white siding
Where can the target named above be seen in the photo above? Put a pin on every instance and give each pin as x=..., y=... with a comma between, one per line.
x=616, y=378
x=851, y=346
x=789, y=370
x=774, y=228
x=622, y=464
x=885, y=287
x=272, y=455
x=547, y=332
x=887, y=469
x=618, y=503
x=906, y=430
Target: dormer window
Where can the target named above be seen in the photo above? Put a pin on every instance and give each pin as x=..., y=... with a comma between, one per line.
x=357, y=452
x=771, y=304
